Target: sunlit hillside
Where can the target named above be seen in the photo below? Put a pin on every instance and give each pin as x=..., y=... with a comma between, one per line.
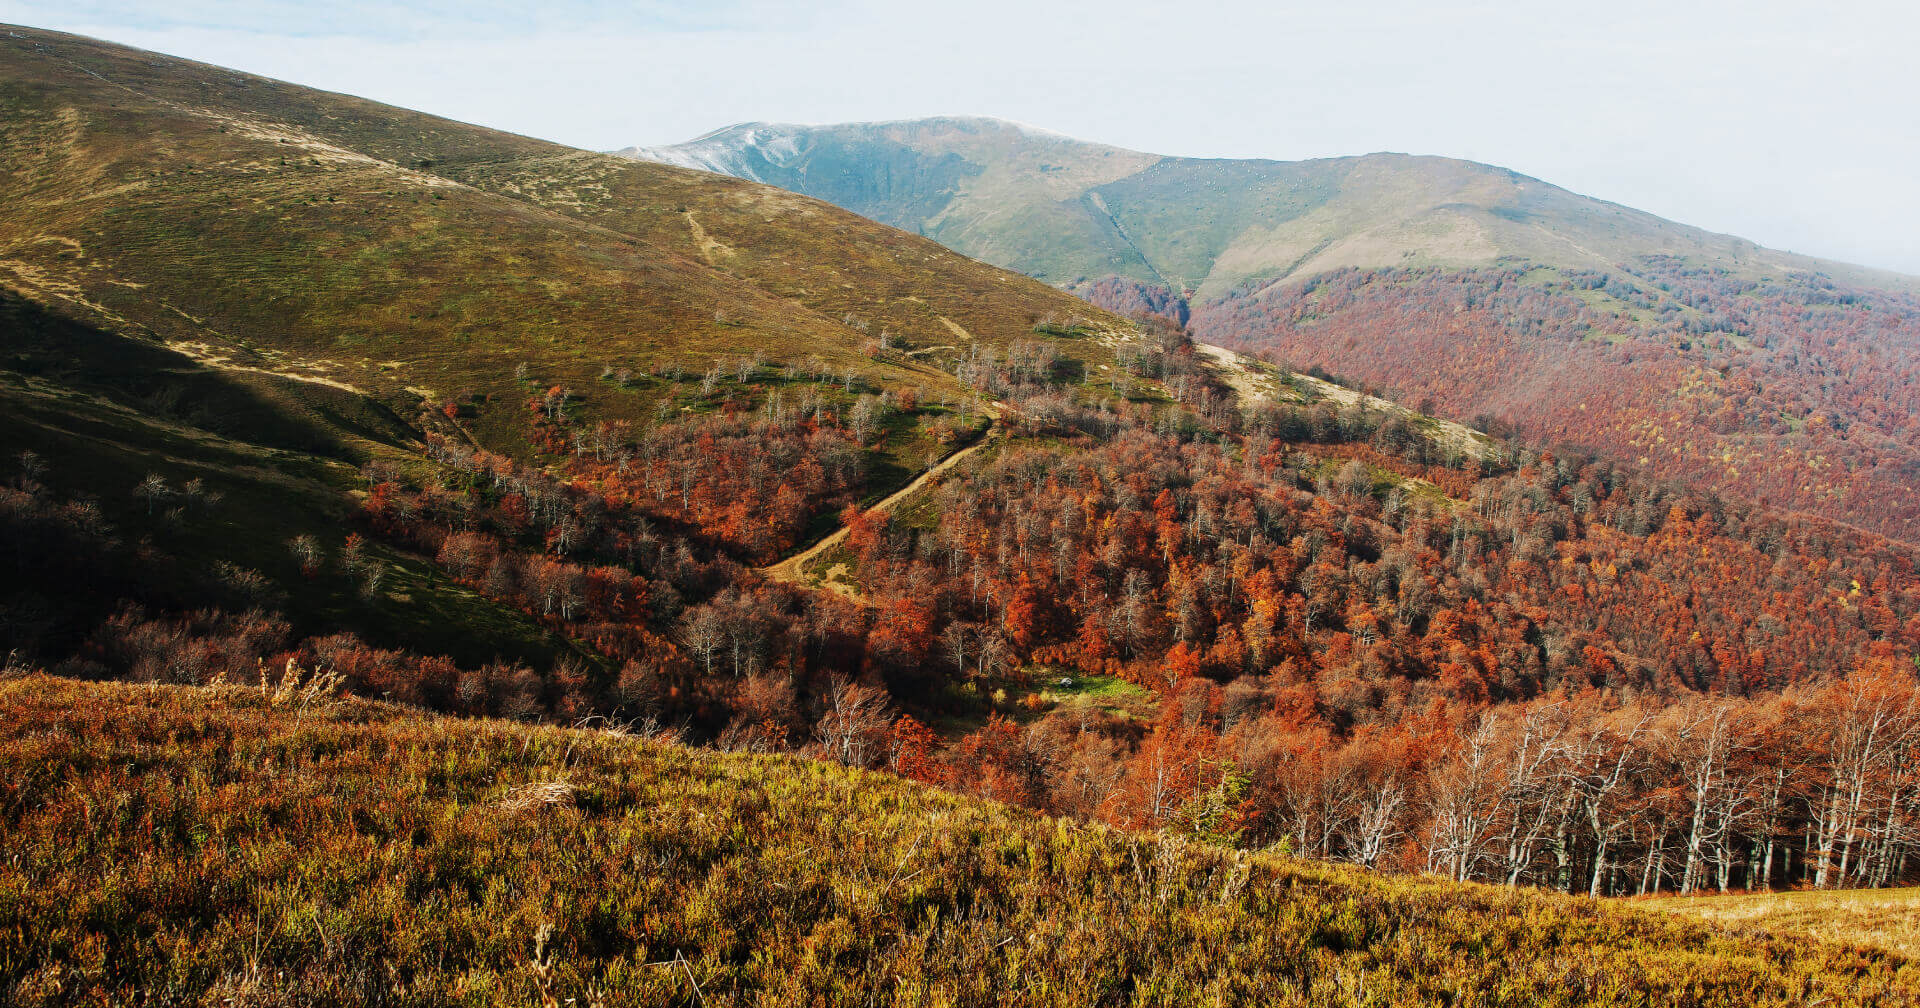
x=257, y=226
x=1064, y=209
x=240, y=846
x=1881, y=918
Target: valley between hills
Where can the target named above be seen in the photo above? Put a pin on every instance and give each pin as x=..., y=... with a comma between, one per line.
x=1465, y=289
x=824, y=568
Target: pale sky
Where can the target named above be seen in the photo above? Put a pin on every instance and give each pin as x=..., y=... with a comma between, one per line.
x=1791, y=123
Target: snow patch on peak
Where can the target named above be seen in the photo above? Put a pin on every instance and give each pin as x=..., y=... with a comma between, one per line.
x=735, y=150
x=732, y=150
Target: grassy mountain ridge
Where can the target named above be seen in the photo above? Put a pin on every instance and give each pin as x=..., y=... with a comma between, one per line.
x=235, y=844
x=920, y=174
x=207, y=275
x=341, y=241
x=1063, y=209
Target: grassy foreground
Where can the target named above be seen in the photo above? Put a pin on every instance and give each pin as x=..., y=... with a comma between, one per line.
x=1883, y=918
x=167, y=845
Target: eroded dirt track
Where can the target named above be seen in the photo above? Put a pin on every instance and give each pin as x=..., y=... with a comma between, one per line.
x=793, y=568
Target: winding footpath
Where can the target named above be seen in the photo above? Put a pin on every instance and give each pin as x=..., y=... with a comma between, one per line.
x=793, y=568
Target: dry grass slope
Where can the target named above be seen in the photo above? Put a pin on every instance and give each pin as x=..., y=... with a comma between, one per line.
x=232, y=846
x=277, y=228
x=1881, y=918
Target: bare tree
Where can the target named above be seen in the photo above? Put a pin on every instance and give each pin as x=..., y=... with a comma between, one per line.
x=306, y=550
x=1703, y=743
x=702, y=631
x=33, y=468
x=1466, y=792
x=1375, y=822
x=853, y=729
x=153, y=490
x=1598, y=768
x=955, y=637
x=1870, y=721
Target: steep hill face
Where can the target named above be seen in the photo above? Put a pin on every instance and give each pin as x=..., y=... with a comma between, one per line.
x=260, y=225
x=1063, y=210
x=1796, y=393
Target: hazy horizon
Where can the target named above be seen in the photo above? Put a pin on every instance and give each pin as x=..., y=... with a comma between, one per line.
x=1747, y=119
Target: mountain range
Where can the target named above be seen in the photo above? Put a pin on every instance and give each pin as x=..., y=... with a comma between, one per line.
x=1066, y=210
x=1473, y=291
x=444, y=565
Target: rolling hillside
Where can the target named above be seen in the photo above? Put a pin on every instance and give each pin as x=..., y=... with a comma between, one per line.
x=1065, y=210
x=245, y=846
x=1471, y=291
x=1032, y=643
x=216, y=281
x=262, y=227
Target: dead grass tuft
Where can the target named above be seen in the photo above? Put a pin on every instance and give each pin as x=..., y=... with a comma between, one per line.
x=538, y=795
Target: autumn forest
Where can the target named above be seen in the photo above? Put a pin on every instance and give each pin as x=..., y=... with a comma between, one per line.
x=1307, y=626
x=445, y=566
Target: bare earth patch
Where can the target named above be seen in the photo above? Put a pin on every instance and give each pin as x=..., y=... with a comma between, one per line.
x=711, y=249
x=793, y=568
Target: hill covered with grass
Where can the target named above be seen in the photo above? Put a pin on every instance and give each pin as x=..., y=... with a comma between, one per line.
x=238, y=846
x=242, y=293
x=263, y=227
x=1063, y=209
x=1882, y=918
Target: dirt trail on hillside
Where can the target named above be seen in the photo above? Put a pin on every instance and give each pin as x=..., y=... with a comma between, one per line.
x=793, y=568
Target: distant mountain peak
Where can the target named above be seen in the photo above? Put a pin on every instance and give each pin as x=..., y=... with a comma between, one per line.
x=740, y=149
x=1062, y=209
x=974, y=122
